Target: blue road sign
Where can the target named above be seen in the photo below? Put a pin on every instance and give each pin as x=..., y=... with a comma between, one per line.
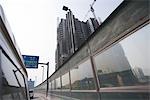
x=31, y=61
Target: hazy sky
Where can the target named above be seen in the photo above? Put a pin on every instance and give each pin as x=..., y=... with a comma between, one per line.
x=34, y=24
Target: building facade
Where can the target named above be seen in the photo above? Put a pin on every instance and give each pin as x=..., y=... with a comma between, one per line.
x=71, y=34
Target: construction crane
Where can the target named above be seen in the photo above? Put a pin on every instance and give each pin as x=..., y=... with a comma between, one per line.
x=92, y=10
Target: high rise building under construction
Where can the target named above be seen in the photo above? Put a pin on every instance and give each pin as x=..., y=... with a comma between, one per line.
x=71, y=34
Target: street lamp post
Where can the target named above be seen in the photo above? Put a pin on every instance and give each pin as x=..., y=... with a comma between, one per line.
x=43, y=74
x=47, y=79
x=47, y=76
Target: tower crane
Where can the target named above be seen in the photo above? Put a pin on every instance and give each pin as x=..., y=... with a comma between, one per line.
x=92, y=10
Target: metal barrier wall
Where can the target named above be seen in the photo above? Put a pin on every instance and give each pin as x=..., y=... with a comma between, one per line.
x=104, y=68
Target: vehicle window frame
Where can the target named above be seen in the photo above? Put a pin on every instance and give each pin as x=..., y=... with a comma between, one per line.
x=11, y=61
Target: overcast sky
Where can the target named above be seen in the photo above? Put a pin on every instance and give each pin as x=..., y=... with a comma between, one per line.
x=34, y=24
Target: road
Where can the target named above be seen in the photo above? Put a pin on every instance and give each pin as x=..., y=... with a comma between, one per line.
x=40, y=96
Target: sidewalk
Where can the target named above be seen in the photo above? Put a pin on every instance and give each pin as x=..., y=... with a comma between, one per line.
x=40, y=96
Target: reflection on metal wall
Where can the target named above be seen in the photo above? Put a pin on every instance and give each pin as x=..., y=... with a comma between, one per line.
x=82, y=77
x=126, y=63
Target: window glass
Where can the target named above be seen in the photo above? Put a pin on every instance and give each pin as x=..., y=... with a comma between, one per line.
x=82, y=77
x=20, y=78
x=12, y=80
x=127, y=63
x=58, y=84
x=8, y=72
x=65, y=81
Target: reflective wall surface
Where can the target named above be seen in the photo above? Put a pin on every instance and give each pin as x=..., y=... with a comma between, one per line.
x=122, y=72
x=65, y=81
x=58, y=84
x=113, y=64
x=126, y=63
x=82, y=77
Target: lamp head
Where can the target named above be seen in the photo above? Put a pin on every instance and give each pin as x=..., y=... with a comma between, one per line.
x=65, y=8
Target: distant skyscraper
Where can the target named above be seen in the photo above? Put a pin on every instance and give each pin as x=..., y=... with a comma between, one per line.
x=92, y=25
x=79, y=34
x=85, y=30
x=138, y=72
x=62, y=43
x=71, y=33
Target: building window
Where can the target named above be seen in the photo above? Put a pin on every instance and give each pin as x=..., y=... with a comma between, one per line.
x=82, y=77
x=126, y=63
